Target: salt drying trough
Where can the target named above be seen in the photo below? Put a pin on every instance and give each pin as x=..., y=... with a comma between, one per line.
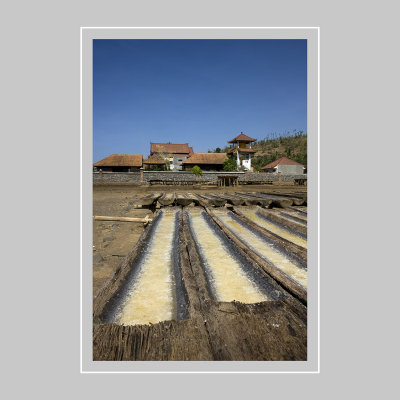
x=151, y=299
x=204, y=262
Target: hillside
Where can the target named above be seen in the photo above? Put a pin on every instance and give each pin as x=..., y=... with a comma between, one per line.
x=273, y=146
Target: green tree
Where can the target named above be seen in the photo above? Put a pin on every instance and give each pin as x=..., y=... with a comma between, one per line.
x=230, y=165
x=197, y=171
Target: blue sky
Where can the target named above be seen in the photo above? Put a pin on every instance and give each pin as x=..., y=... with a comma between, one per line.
x=201, y=92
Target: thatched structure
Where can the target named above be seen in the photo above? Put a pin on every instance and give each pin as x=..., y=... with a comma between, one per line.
x=171, y=149
x=120, y=163
x=206, y=161
x=155, y=162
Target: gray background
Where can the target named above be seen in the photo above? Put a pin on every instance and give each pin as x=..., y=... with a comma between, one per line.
x=40, y=263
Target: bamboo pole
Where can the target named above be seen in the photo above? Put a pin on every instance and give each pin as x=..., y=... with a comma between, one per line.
x=146, y=219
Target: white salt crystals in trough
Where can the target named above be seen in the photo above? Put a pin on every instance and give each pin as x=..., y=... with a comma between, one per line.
x=235, y=260
x=252, y=215
x=264, y=249
x=151, y=298
x=227, y=278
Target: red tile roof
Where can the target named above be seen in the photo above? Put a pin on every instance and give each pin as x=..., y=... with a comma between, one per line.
x=281, y=161
x=206, y=158
x=120, y=160
x=242, y=137
x=170, y=148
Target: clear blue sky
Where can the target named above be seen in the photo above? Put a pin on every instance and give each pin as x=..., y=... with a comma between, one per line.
x=201, y=92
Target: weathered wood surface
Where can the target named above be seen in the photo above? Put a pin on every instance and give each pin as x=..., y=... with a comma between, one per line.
x=150, y=199
x=299, y=253
x=268, y=331
x=167, y=199
x=214, y=200
x=232, y=199
x=284, y=280
x=201, y=201
x=253, y=200
x=275, y=201
x=193, y=197
x=299, y=199
x=183, y=199
x=274, y=216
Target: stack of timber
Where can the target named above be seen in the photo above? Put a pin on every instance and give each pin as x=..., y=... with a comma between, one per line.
x=263, y=199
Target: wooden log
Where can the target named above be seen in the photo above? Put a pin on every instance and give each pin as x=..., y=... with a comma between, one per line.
x=284, y=280
x=215, y=201
x=167, y=199
x=150, y=199
x=201, y=201
x=232, y=199
x=298, y=199
x=183, y=200
x=275, y=200
x=251, y=200
x=198, y=289
x=291, y=225
x=282, y=243
x=146, y=219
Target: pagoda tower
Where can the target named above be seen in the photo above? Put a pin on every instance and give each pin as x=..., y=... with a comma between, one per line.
x=242, y=146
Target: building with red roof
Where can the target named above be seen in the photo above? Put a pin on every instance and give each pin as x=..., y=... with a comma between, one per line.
x=206, y=161
x=284, y=165
x=243, y=151
x=120, y=163
x=174, y=153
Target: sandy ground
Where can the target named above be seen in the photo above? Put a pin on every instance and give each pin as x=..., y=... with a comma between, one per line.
x=112, y=241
